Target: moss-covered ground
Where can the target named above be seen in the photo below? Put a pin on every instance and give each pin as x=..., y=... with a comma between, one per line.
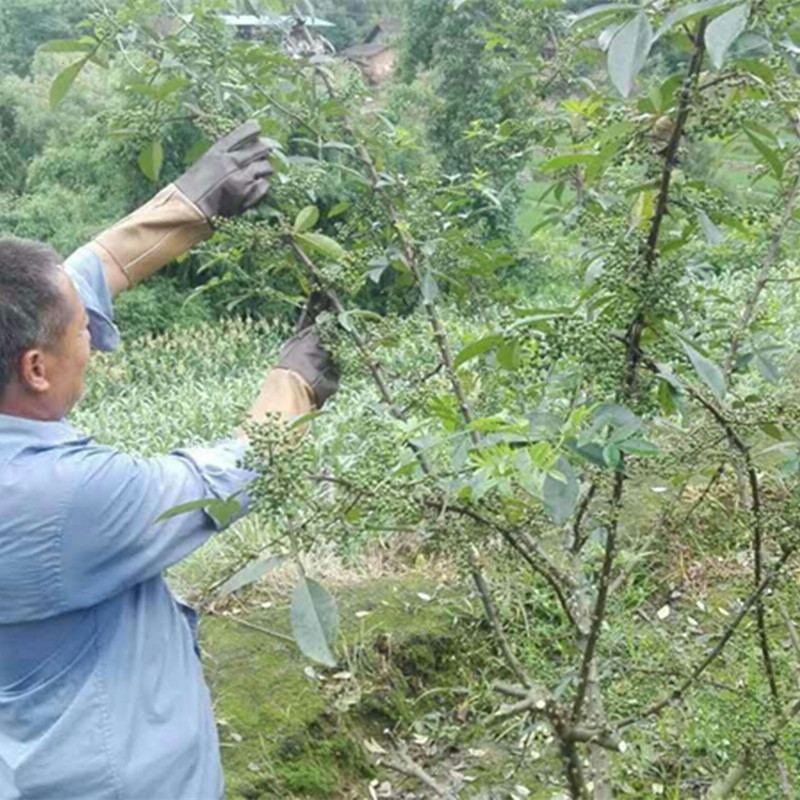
x=285, y=729
x=410, y=649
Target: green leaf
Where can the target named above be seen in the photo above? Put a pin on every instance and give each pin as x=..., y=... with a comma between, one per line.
x=339, y=208
x=767, y=153
x=477, y=348
x=691, y=11
x=668, y=91
x=429, y=289
x=68, y=46
x=602, y=10
x=766, y=367
x=612, y=455
x=762, y=132
x=708, y=371
x=63, y=81
x=306, y=219
x=249, y=574
x=561, y=496
x=150, y=160
x=338, y=146
x=303, y=419
x=171, y=86
x=592, y=452
x=140, y=87
x=509, y=355
x=222, y=511
x=772, y=430
x=712, y=233
x=595, y=169
x=315, y=621
x=638, y=447
x=323, y=244
x=758, y=68
x=185, y=508
x=628, y=52
x=196, y=150
x=667, y=397
x=723, y=31
x=570, y=160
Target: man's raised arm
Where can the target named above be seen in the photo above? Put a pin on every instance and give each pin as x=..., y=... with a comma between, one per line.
x=231, y=177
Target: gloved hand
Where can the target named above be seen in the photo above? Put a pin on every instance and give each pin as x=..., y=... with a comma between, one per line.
x=231, y=176
x=305, y=355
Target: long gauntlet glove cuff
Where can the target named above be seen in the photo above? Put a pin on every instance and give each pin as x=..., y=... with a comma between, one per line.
x=288, y=394
x=153, y=235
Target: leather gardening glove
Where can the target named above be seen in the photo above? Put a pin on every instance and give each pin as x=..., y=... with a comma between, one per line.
x=231, y=177
x=304, y=355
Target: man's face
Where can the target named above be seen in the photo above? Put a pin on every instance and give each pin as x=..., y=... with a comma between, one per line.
x=66, y=360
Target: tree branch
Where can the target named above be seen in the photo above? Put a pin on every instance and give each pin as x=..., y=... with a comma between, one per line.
x=598, y=615
x=405, y=765
x=681, y=690
x=762, y=278
x=372, y=364
x=491, y=614
x=411, y=259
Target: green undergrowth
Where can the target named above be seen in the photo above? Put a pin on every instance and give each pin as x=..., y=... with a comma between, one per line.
x=412, y=664
x=288, y=730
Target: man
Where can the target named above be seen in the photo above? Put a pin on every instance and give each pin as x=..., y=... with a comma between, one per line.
x=101, y=690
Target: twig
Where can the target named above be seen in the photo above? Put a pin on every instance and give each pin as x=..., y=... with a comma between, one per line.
x=634, y=335
x=763, y=277
x=794, y=638
x=598, y=615
x=274, y=634
x=758, y=567
x=373, y=366
x=697, y=503
x=568, y=737
x=715, y=81
x=632, y=343
x=530, y=552
x=405, y=765
x=494, y=620
x=724, y=787
x=681, y=690
x=583, y=507
x=411, y=260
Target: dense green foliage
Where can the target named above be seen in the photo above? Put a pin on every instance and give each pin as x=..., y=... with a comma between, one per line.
x=561, y=256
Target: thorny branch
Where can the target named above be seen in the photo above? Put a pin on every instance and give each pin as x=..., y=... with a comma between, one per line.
x=411, y=259
x=633, y=347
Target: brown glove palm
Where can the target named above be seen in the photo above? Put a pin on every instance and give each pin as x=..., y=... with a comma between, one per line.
x=305, y=355
x=231, y=176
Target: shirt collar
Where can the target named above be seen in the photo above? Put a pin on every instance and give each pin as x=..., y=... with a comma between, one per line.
x=59, y=432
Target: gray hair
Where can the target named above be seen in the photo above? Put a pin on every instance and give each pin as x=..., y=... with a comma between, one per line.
x=32, y=308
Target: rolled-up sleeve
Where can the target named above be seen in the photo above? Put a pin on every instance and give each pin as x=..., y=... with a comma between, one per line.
x=86, y=271
x=111, y=539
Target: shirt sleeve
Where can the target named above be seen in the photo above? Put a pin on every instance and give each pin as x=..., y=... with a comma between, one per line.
x=111, y=539
x=86, y=271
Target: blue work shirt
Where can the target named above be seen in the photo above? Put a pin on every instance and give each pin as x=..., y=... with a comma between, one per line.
x=101, y=689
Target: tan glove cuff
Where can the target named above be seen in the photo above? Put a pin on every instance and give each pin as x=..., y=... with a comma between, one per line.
x=153, y=235
x=287, y=393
